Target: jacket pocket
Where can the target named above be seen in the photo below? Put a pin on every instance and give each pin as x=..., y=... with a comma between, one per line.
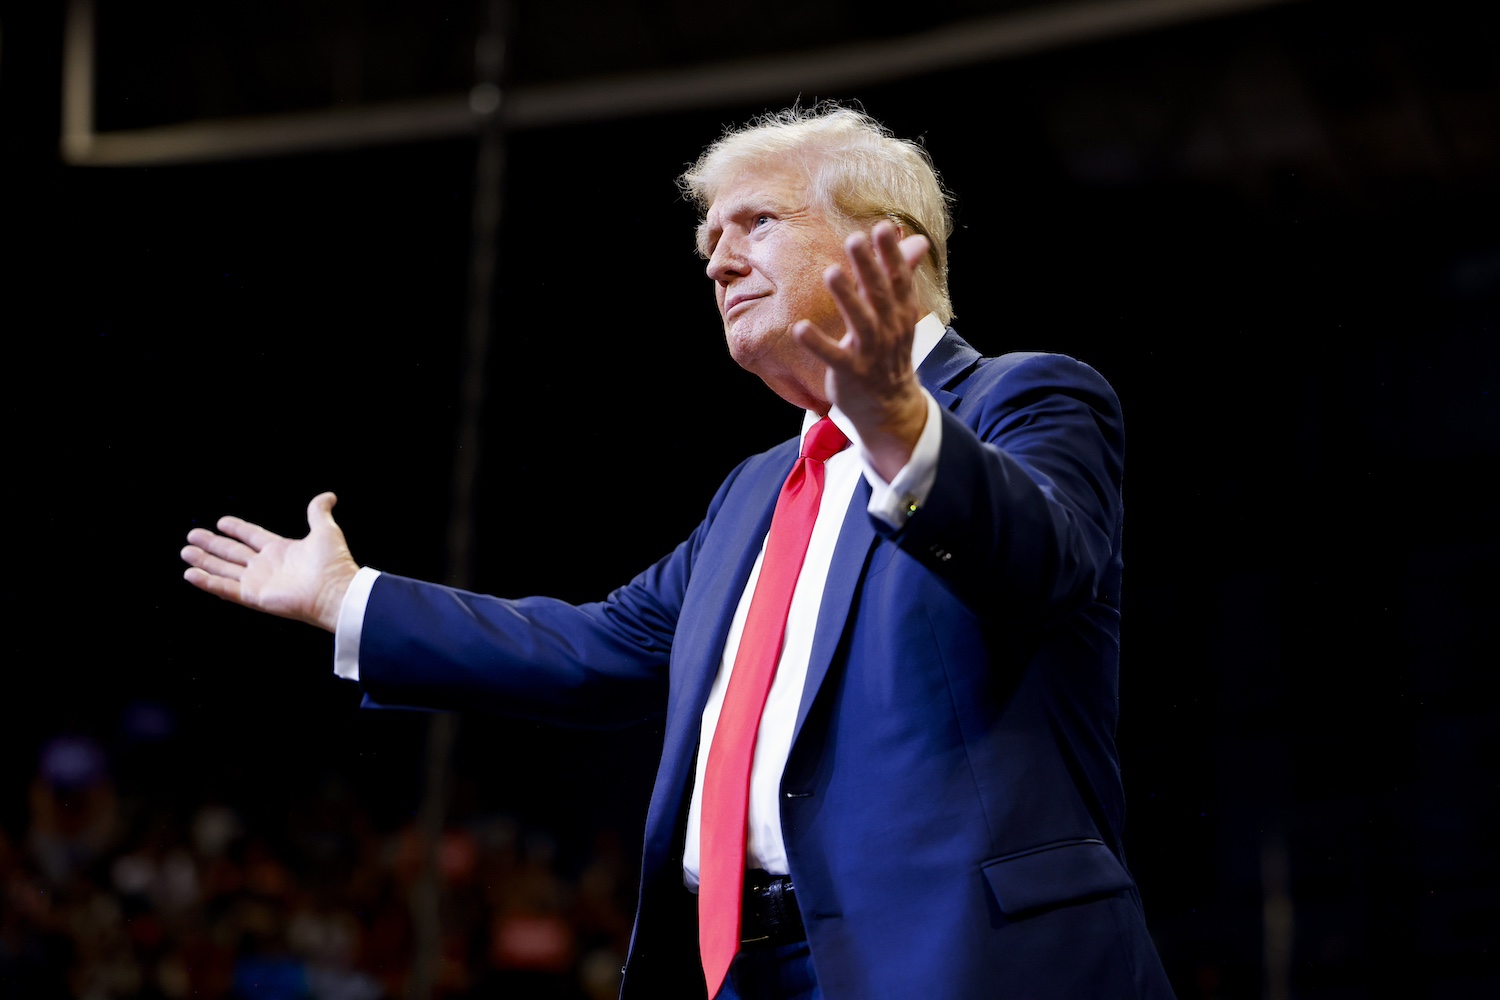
x=1054, y=874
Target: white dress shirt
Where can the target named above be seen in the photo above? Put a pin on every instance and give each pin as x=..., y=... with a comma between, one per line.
x=891, y=502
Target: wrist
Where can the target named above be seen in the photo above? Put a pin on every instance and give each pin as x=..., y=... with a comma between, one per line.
x=894, y=436
x=331, y=597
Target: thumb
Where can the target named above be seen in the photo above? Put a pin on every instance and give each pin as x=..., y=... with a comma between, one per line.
x=320, y=512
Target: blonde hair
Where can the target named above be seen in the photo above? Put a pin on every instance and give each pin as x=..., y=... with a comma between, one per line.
x=858, y=173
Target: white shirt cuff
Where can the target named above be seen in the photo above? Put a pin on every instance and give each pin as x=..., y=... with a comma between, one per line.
x=899, y=499
x=351, y=623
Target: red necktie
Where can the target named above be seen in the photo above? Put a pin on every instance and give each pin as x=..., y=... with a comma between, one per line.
x=726, y=780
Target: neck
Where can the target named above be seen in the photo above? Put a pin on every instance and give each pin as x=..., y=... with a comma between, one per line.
x=804, y=388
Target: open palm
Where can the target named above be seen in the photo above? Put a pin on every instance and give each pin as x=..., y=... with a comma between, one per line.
x=300, y=578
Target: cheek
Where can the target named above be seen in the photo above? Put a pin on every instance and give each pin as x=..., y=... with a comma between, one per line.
x=813, y=299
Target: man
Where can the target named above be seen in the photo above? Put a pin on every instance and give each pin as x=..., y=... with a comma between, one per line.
x=888, y=670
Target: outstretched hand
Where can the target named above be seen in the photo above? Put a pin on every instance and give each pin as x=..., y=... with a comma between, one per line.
x=870, y=376
x=301, y=578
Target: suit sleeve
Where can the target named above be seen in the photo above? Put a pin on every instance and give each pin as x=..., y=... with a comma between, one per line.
x=603, y=664
x=1025, y=508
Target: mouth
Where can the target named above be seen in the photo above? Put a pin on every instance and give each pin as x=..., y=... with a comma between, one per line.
x=740, y=298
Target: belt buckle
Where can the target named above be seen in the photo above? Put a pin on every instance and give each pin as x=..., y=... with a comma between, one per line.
x=767, y=901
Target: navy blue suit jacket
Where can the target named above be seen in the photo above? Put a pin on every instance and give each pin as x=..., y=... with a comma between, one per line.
x=952, y=803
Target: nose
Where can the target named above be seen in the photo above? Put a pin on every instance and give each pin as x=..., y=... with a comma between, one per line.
x=727, y=261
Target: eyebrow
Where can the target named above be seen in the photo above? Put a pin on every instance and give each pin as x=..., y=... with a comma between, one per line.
x=734, y=211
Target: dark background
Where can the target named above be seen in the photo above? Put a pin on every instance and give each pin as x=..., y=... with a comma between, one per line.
x=1277, y=233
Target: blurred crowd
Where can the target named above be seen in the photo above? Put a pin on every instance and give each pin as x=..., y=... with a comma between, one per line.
x=110, y=894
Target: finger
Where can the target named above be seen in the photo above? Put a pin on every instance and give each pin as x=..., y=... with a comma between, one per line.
x=224, y=548
x=252, y=535
x=229, y=590
x=212, y=564
x=874, y=282
x=892, y=252
x=827, y=349
x=914, y=250
x=858, y=317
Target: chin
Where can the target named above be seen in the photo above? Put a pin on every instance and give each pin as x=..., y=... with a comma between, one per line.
x=748, y=346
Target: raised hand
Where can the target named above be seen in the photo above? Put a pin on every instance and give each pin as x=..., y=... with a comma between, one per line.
x=301, y=578
x=870, y=374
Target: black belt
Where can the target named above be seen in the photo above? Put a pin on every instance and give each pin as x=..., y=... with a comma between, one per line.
x=770, y=915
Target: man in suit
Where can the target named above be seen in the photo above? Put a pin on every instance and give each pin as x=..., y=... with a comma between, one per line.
x=887, y=657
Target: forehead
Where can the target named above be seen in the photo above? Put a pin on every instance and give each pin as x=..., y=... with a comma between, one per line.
x=759, y=186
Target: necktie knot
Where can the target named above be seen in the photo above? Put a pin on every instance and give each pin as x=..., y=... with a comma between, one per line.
x=823, y=441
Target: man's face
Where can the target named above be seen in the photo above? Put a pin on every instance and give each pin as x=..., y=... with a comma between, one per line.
x=767, y=249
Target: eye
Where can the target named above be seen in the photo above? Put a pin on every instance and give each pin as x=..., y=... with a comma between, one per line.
x=759, y=219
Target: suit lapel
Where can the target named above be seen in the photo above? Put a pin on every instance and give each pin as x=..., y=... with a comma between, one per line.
x=719, y=575
x=949, y=360
x=720, y=571
x=945, y=365
x=856, y=536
